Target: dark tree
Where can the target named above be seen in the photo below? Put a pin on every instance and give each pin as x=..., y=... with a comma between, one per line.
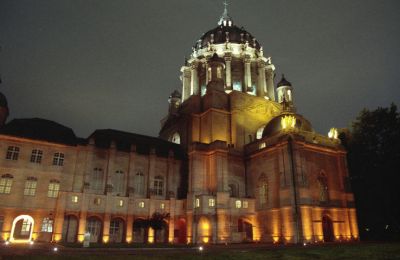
x=158, y=222
x=374, y=165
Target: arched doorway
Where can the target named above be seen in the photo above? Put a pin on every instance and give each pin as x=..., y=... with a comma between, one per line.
x=140, y=231
x=180, y=233
x=22, y=229
x=70, y=229
x=204, y=230
x=327, y=228
x=246, y=228
x=117, y=230
x=94, y=228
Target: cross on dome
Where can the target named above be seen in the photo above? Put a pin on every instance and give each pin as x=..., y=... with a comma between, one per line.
x=225, y=19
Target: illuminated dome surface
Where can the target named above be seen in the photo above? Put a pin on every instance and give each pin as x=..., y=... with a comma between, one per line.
x=275, y=126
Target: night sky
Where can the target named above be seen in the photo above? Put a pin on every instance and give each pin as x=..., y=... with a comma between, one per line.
x=112, y=64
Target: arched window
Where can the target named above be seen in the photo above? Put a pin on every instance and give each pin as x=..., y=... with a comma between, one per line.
x=6, y=183
x=118, y=181
x=262, y=190
x=176, y=138
x=30, y=186
x=97, y=179
x=158, y=185
x=260, y=132
x=323, y=187
x=139, y=183
x=54, y=188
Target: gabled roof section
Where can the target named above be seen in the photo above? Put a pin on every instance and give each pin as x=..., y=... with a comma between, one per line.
x=143, y=143
x=40, y=129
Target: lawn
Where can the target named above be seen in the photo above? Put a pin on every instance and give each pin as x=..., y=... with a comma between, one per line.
x=332, y=251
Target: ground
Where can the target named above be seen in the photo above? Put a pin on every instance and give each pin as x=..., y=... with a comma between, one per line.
x=353, y=251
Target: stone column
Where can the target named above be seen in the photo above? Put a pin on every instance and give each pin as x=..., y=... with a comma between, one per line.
x=228, y=72
x=270, y=84
x=129, y=229
x=59, y=216
x=247, y=74
x=106, y=228
x=194, y=85
x=261, y=88
x=185, y=82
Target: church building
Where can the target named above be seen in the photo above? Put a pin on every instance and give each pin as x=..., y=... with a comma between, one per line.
x=234, y=162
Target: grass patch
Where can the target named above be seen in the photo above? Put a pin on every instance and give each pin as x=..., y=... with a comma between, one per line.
x=332, y=251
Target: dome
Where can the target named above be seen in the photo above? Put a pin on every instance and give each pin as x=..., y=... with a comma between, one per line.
x=226, y=31
x=275, y=125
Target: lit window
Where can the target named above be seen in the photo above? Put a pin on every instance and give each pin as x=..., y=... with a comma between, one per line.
x=141, y=204
x=209, y=74
x=260, y=132
x=97, y=201
x=58, y=159
x=197, y=203
x=121, y=203
x=211, y=202
x=47, y=225
x=203, y=90
x=36, y=156
x=6, y=183
x=176, y=138
x=139, y=183
x=245, y=204
x=30, y=186
x=74, y=199
x=158, y=185
x=219, y=72
x=26, y=227
x=237, y=85
x=12, y=153
x=162, y=206
x=261, y=145
x=54, y=187
x=238, y=204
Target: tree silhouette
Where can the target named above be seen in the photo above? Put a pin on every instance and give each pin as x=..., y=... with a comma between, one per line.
x=374, y=162
x=157, y=222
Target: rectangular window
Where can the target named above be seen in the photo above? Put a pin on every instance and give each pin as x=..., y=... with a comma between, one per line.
x=158, y=185
x=26, y=227
x=58, y=159
x=238, y=204
x=162, y=205
x=97, y=201
x=121, y=203
x=12, y=153
x=211, y=202
x=54, y=188
x=36, y=156
x=30, y=187
x=74, y=199
x=5, y=184
x=47, y=225
x=197, y=203
x=97, y=179
x=245, y=204
x=141, y=204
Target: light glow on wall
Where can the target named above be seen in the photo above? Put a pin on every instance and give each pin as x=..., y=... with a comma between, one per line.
x=30, y=222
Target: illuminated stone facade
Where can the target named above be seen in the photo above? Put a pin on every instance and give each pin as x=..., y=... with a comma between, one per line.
x=231, y=165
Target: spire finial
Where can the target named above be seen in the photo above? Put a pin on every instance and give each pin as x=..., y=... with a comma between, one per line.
x=225, y=19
